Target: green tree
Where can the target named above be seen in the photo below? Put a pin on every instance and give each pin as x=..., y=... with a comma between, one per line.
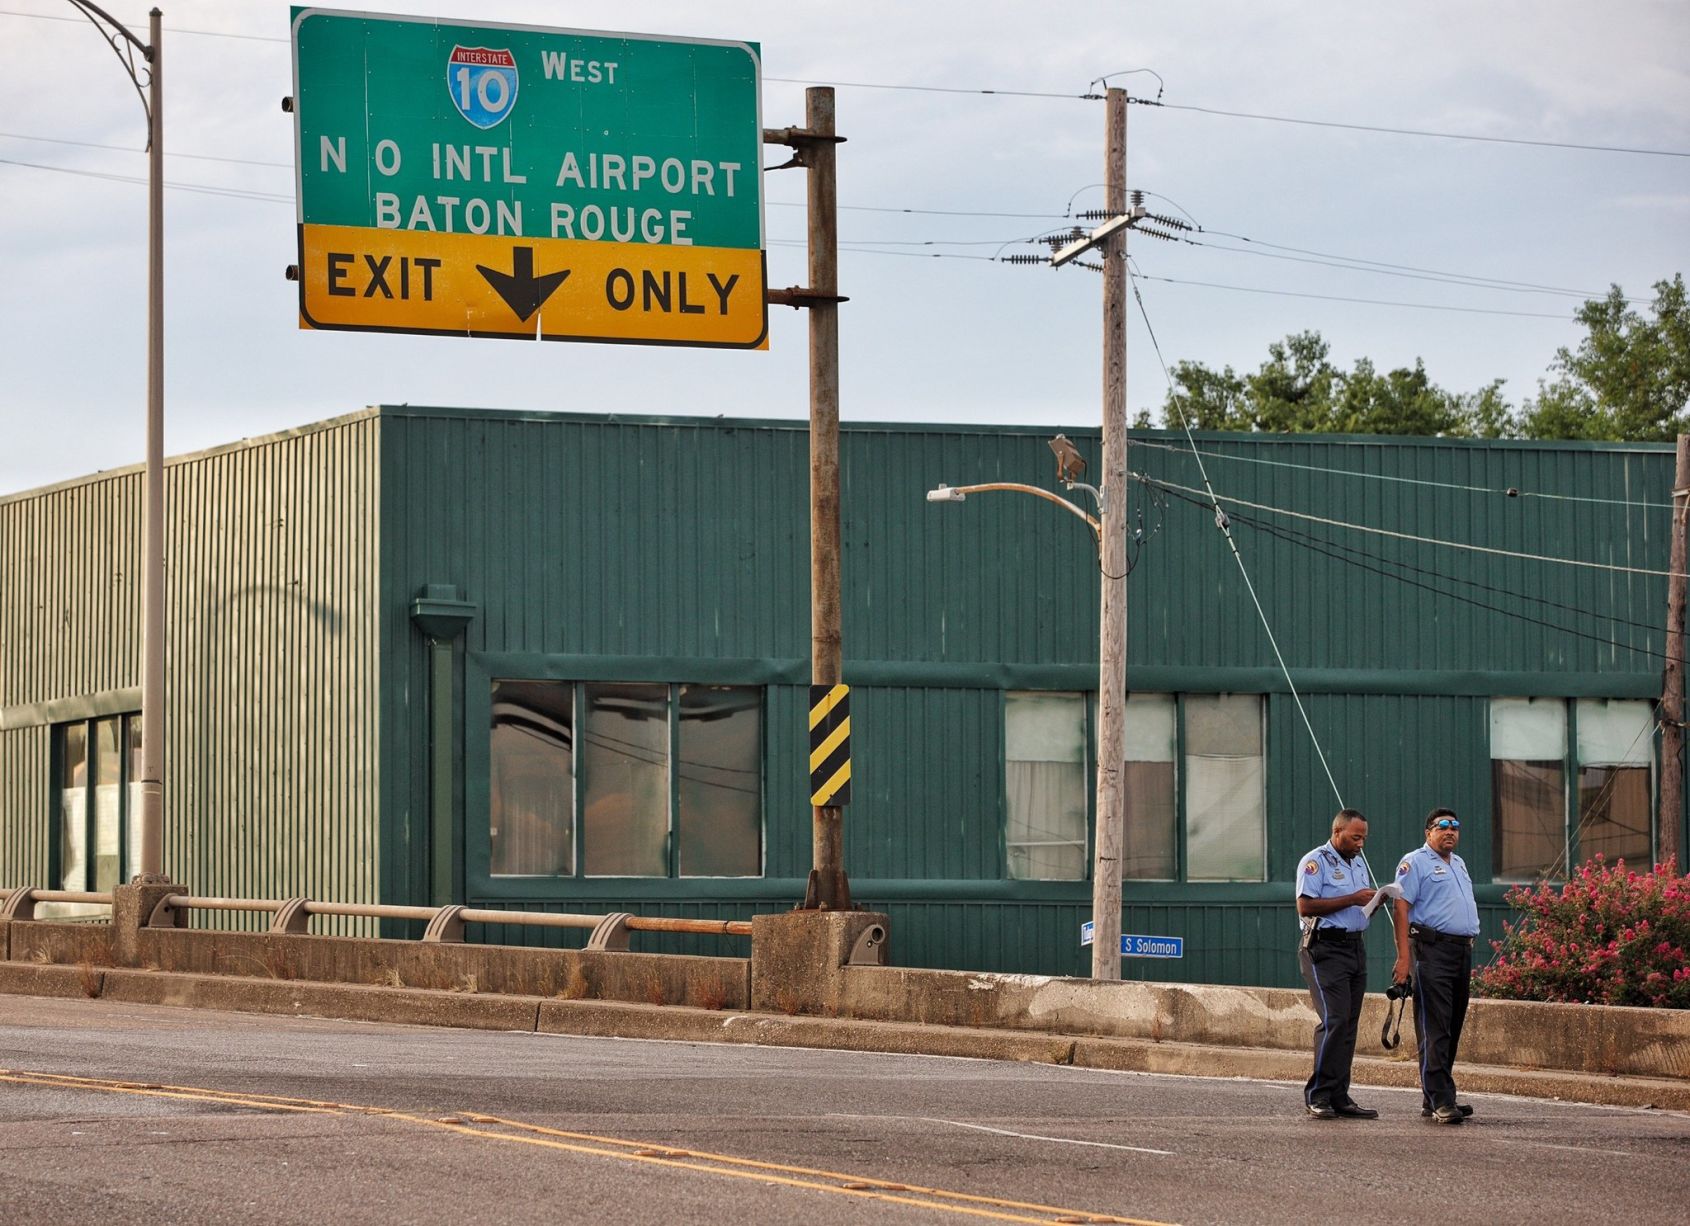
x=1629, y=378
x=1299, y=391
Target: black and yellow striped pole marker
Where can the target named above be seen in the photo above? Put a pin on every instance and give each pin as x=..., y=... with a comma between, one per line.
x=830, y=746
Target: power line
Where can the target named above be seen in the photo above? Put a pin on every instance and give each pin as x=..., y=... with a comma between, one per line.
x=169, y=153
x=1508, y=492
x=1424, y=132
x=1360, y=558
x=1419, y=306
x=1081, y=97
x=239, y=193
x=1494, y=551
x=1369, y=266
x=1497, y=282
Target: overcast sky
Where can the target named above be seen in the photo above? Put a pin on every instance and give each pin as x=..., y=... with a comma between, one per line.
x=922, y=339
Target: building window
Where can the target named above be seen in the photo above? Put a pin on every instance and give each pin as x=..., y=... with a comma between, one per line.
x=1150, y=846
x=1225, y=789
x=98, y=771
x=667, y=780
x=1045, y=783
x=1611, y=766
x=1222, y=771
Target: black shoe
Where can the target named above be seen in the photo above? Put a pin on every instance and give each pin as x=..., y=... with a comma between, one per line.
x=1322, y=1111
x=1466, y=1110
x=1352, y=1112
x=1447, y=1115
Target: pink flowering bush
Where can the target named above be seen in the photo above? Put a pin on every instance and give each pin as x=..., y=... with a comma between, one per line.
x=1608, y=936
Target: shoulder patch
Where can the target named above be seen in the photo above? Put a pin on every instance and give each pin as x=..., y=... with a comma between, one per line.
x=1311, y=868
x=1402, y=868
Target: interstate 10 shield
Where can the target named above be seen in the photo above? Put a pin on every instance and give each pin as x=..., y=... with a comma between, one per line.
x=482, y=82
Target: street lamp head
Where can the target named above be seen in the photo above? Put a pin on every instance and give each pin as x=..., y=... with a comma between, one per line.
x=945, y=493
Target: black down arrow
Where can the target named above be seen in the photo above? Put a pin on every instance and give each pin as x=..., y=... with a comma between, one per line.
x=523, y=292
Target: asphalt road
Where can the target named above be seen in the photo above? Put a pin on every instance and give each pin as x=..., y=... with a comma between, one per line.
x=117, y=1114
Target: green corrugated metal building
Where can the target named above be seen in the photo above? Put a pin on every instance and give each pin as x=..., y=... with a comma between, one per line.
x=560, y=662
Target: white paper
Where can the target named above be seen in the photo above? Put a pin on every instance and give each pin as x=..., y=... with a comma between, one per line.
x=1387, y=891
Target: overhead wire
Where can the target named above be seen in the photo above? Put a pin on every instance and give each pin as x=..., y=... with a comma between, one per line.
x=1502, y=491
x=1088, y=96
x=1493, y=550
x=1336, y=553
x=1226, y=532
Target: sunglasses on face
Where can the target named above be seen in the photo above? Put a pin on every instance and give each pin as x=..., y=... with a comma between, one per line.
x=1446, y=823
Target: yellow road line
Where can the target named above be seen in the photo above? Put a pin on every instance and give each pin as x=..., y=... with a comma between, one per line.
x=626, y=1149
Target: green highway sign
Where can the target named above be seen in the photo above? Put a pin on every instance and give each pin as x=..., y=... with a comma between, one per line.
x=470, y=179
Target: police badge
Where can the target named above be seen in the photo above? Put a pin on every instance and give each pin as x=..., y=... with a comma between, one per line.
x=482, y=82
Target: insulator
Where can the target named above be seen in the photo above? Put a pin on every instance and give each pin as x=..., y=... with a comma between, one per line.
x=1022, y=259
x=1137, y=198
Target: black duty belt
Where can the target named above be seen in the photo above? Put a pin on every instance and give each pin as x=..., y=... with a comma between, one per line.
x=1433, y=935
x=1337, y=934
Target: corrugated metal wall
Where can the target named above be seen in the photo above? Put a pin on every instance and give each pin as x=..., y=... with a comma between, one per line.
x=661, y=547
x=272, y=764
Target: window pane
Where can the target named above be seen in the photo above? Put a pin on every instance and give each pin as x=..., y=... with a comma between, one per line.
x=108, y=797
x=531, y=772
x=625, y=797
x=1226, y=788
x=1045, y=785
x=73, y=808
x=1528, y=744
x=721, y=781
x=132, y=815
x=1148, y=851
x=1528, y=800
x=1614, y=813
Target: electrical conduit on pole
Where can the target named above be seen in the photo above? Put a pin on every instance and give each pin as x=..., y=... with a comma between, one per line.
x=151, y=867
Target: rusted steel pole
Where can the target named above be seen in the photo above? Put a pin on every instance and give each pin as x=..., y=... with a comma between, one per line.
x=1672, y=688
x=1112, y=556
x=828, y=889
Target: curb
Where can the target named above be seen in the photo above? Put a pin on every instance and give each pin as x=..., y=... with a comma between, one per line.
x=676, y=1023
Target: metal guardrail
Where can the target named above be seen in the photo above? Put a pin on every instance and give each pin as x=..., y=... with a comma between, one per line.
x=445, y=924
x=20, y=904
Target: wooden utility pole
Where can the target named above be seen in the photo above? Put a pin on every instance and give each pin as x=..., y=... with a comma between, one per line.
x=828, y=889
x=815, y=149
x=1112, y=558
x=1672, y=689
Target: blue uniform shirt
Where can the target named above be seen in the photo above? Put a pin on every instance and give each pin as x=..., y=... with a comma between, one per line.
x=1323, y=873
x=1438, y=895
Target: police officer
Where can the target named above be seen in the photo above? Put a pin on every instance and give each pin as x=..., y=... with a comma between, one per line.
x=1437, y=920
x=1333, y=885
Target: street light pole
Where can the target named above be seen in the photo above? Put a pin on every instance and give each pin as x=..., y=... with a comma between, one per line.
x=152, y=632
x=126, y=46
x=1112, y=561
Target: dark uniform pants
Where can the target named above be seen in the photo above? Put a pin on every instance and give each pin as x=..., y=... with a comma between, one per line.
x=1442, y=971
x=1336, y=972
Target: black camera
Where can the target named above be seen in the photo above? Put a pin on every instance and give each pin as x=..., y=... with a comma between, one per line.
x=1399, y=991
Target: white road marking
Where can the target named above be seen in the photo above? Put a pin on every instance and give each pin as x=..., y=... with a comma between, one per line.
x=1577, y=1149
x=1005, y=1132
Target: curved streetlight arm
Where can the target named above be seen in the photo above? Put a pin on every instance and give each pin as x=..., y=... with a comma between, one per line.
x=111, y=30
x=955, y=493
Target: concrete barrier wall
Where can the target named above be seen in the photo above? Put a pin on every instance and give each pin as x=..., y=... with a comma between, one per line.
x=1519, y=1034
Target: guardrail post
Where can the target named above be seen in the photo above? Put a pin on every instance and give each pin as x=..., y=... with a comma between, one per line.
x=798, y=958
x=291, y=917
x=19, y=905
x=611, y=933
x=132, y=911
x=447, y=925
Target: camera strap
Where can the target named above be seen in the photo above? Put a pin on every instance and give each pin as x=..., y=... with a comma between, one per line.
x=1390, y=1034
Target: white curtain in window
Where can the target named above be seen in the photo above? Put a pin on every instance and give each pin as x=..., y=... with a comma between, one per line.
x=1528, y=729
x=1226, y=788
x=1045, y=785
x=1615, y=732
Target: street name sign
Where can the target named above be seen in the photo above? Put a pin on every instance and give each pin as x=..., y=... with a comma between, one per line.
x=461, y=178
x=1134, y=946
